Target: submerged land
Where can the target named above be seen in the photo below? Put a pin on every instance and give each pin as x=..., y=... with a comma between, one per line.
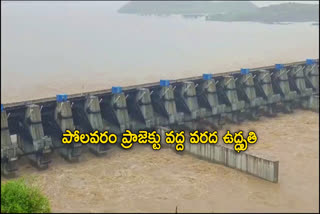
x=227, y=11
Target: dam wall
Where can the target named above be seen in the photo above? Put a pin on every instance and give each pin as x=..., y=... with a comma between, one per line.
x=248, y=162
x=183, y=104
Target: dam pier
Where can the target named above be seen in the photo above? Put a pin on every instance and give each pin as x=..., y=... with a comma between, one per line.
x=34, y=128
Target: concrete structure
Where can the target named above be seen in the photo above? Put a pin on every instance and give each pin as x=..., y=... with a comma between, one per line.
x=248, y=162
x=281, y=86
x=185, y=104
x=64, y=121
x=8, y=148
x=32, y=139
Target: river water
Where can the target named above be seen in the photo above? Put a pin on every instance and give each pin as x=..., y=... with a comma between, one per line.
x=143, y=180
x=73, y=47
x=58, y=47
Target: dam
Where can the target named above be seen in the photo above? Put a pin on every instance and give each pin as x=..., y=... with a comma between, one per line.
x=188, y=104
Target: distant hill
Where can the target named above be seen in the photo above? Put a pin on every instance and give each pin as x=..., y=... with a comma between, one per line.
x=186, y=7
x=286, y=12
x=226, y=11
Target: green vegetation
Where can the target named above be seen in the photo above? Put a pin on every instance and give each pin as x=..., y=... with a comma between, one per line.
x=286, y=12
x=186, y=7
x=227, y=11
x=19, y=197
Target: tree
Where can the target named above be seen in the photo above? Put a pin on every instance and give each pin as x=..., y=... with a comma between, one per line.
x=19, y=197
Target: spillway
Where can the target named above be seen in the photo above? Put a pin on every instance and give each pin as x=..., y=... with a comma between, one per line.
x=183, y=104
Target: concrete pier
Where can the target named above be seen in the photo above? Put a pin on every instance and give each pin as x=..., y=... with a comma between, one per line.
x=8, y=148
x=33, y=141
x=64, y=119
x=194, y=103
x=313, y=103
x=92, y=114
x=257, y=165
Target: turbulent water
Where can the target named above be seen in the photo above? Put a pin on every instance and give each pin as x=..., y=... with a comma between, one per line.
x=143, y=180
x=76, y=47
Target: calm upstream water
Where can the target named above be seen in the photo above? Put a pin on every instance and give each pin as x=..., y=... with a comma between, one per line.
x=54, y=47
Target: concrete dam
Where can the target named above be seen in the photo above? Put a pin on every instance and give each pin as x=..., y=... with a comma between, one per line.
x=34, y=128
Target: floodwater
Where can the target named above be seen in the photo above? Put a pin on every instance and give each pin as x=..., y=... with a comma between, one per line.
x=78, y=47
x=143, y=180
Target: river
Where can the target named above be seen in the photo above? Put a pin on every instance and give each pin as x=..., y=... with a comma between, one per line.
x=58, y=47
x=73, y=47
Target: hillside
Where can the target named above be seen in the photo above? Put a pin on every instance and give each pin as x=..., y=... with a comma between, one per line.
x=286, y=12
x=186, y=7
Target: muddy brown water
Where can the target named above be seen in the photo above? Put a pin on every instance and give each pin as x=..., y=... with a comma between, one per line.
x=62, y=57
x=58, y=47
x=143, y=180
